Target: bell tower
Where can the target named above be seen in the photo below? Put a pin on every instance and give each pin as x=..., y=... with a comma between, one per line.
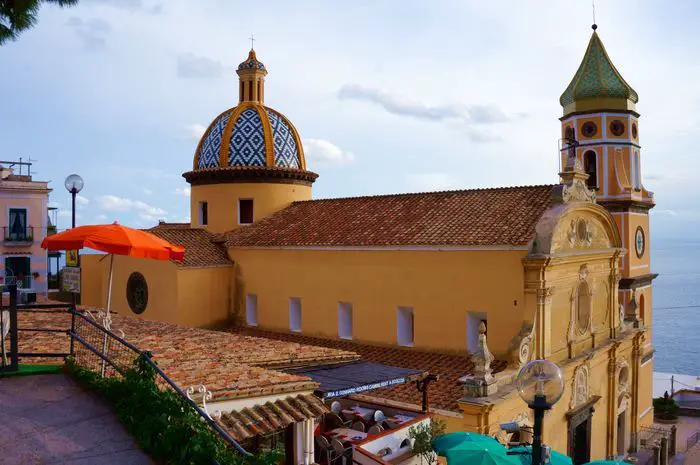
x=600, y=114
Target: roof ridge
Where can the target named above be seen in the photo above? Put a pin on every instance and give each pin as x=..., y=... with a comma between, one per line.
x=410, y=194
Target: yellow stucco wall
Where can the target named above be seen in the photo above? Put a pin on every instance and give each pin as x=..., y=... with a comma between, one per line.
x=204, y=295
x=440, y=286
x=160, y=276
x=186, y=296
x=223, y=199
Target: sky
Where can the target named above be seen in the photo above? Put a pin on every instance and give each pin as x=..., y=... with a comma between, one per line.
x=388, y=96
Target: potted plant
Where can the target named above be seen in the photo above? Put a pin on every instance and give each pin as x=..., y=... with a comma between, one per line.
x=422, y=436
x=665, y=408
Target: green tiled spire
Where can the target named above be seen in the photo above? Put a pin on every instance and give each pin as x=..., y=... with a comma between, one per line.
x=597, y=78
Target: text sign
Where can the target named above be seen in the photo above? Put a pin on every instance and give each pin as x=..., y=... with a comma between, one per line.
x=70, y=279
x=363, y=388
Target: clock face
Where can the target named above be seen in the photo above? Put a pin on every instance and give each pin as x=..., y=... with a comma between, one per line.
x=639, y=242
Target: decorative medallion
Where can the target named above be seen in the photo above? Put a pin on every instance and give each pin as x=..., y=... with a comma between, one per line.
x=634, y=130
x=589, y=129
x=639, y=242
x=581, y=306
x=580, y=389
x=617, y=127
x=137, y=292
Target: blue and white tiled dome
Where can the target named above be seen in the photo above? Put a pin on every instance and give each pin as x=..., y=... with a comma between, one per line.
x=250, y=135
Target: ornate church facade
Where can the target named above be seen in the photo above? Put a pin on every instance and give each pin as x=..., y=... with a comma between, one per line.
x=502, y=275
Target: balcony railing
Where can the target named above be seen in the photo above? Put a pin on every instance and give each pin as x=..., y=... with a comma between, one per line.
x=21, y=235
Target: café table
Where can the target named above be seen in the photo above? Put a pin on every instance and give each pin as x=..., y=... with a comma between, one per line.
x=361, y=412
x=346, y=434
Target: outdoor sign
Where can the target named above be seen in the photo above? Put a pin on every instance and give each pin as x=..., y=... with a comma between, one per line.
x=363, y=388
x=70, y=279
x=71, y=258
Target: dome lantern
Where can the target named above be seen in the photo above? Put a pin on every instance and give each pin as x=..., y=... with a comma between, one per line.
x=251, y=75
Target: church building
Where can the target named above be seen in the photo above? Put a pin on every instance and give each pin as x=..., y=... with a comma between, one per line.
x=494, y=277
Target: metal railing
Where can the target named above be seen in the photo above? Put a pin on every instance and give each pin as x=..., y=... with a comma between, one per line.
x=96, y=348
x=692, y=440
x=14, y=234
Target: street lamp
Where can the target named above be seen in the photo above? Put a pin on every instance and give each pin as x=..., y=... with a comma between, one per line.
x=540, y=383
x=74, y=184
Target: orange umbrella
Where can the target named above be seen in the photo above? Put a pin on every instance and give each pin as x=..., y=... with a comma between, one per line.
x=114, y=239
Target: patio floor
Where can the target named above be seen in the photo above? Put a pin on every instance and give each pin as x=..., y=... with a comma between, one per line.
x=49, y=419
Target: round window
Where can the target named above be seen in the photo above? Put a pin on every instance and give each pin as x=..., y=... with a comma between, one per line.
x=617, y=127
x=137, y=292
x=589, y=129
x=634, y=130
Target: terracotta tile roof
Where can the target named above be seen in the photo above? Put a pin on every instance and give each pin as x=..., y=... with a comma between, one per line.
x=478, y=217
x=271, y=416
x=202, y=248
x=443, y=394
x=230, y=365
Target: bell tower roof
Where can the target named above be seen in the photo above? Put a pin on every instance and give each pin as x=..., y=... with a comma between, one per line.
x=597, y=84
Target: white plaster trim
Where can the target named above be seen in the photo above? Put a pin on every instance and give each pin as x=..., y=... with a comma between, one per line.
x=645, y=412
x=605, y=172
x=627, y=196
x=648, y=286
x=236, y=405
x=638, y=267
x=415, y=248
x=648, y=361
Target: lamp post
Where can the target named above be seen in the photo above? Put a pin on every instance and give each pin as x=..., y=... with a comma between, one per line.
x=74, y=184
x=540, y=384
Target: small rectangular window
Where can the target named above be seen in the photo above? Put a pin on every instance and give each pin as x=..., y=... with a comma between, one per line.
x=404, y=326
x=295, y=314
x=345, y=320
x=203, y=213
x=251, y=309
x=245, y=211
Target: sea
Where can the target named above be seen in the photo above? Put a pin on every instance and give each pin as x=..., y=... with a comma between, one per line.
x=676, y=305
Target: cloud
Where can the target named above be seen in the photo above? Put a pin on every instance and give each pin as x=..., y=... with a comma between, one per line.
x=426, y=182
x=194, y=131
x=100, y=218
x=80, y=200
x=63, y=213
x=92, y=32
x=663, y=212
x=147, y=191
x=403, y=106
x=322, y=151
x=190, y=66
x=122, y=204
x=185, y=191
x=132, y=5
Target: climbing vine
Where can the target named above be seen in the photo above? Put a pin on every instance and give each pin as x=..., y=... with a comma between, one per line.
x=164, y=425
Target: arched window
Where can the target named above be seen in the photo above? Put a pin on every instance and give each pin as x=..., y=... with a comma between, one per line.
x=641, y=308
x=590, y=166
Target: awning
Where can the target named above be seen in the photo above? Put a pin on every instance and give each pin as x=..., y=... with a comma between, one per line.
x=271, y=416
x=357, y=377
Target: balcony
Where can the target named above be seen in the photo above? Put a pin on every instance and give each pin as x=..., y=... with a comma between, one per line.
x=14, y=236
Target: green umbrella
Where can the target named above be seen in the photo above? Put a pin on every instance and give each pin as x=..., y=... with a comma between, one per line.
x=445, y=442
x=480, y=453
x=525, y=457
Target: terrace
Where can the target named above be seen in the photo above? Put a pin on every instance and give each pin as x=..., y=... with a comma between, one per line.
x=260, y=393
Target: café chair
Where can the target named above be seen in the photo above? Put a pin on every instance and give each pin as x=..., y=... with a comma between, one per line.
x=340, y=449
x=358, y=426
x=324, y=448
x=375, y=429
